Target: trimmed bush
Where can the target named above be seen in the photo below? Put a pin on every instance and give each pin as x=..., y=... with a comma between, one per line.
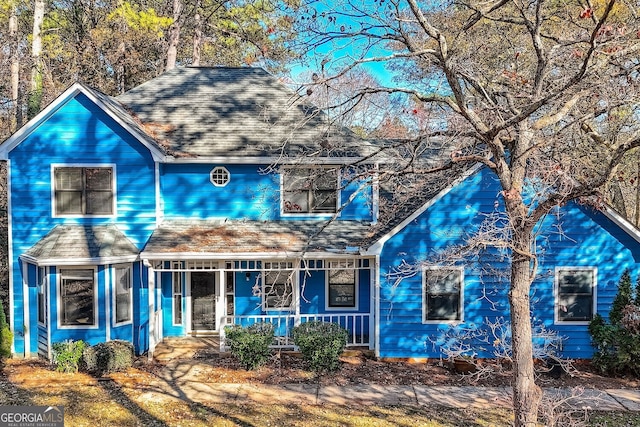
x=108, y=357
x=321, y=344
x=250, y=345
x=6, y=336
x=67, y=355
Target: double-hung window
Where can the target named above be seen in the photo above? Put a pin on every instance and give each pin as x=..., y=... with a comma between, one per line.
x=83, y=190
x=442, y=294
x=309, y=190
x=341, y=286
x=77, y=297
x=122, y=293
x=42, y=296
x=575, y=294
x=277, y=288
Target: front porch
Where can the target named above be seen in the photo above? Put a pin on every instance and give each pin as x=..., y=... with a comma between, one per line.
x=201, y=297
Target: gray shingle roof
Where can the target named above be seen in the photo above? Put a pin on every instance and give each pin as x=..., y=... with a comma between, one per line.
x=234, y=237
x=214, y=112
x=83, y=242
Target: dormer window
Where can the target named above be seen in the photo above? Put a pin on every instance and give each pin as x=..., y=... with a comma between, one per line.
x=309, y=190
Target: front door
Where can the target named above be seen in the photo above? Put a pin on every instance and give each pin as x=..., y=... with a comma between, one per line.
x=203, y=301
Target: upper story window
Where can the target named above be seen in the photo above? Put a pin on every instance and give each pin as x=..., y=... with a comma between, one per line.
x=309, y=190
x=83, y=190
x=442, y=294
x=575, y=294
x=219, y=176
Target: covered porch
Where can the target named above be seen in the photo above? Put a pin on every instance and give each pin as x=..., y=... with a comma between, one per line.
x=201, y=297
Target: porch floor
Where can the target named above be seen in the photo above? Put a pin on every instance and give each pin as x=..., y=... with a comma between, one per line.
x=186, y=347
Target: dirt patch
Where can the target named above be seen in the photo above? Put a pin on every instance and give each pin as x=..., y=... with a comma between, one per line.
x=287, y=368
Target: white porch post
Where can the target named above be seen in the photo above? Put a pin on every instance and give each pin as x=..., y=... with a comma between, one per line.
x=374, y=325
x=152, y=312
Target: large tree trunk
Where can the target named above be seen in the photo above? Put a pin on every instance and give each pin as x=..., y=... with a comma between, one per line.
x=526, y=394
x=35, y=95
x=197, y=36
x=14, y=44
x=174, y=36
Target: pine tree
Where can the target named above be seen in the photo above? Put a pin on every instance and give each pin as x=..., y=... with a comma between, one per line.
x=622, y=299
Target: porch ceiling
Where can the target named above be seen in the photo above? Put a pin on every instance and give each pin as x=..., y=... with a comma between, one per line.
x=253, y=237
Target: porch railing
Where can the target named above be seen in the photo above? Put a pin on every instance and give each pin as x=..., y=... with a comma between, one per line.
x=358, y=325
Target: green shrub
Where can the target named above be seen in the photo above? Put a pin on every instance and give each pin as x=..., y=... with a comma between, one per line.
x=321, y=344
x=107, y=357
x=617, y=343
x=250, y=345
x=6, y=336
x=67, y=355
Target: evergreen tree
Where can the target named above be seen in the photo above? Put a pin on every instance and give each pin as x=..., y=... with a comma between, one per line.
x=622, y=299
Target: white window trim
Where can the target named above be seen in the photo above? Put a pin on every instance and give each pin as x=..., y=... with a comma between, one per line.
x=284, y=213
x=96, y=323
x=221, y=168
x=44, y=280
x=356, y=296
x=424, y=296
x=594, y=296
x=114, y=294
x=294, y=291
x=54, y=166
x=182, y=298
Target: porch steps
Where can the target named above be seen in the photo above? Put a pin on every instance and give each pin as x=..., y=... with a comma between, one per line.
x=172, y=348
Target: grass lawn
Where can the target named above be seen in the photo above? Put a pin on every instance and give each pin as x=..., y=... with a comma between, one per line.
x=120, y=401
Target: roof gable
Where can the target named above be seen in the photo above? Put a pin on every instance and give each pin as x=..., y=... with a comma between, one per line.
x=105, y=103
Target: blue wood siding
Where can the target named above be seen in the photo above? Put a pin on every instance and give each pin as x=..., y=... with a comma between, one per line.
x=78, y=133
x=187, y=192
x=587, y=238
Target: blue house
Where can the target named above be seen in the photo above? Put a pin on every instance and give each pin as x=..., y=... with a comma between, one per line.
x=216, y=196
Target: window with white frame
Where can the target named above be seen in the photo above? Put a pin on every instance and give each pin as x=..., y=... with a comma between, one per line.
x=309, y=190
x=83, y=190
x=442, y=294
x=277, y=289
x=123, y=293
x=42, y=296
x=341, y=288
x=219, y=176
x=77, y=297
x=177, y=298
x=575, y=293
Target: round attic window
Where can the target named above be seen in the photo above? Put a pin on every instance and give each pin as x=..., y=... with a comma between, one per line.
x=219, y=176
